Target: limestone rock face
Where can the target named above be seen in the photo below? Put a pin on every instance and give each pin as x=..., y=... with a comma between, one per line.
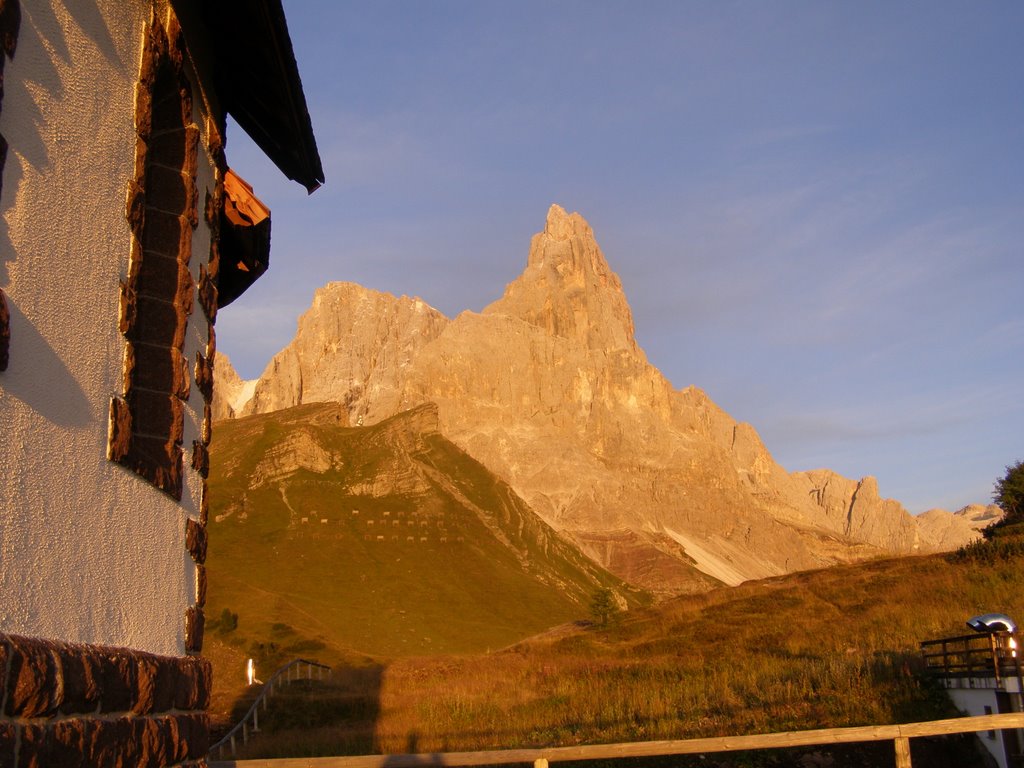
x=353, y=345
x=548, y=389
x=230, y=391
x=568, y=290
x=949, y=531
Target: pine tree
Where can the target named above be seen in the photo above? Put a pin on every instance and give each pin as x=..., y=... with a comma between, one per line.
x=603, y=607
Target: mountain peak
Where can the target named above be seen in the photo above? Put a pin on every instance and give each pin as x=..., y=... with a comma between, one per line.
x=568, y=289
x=561, y=225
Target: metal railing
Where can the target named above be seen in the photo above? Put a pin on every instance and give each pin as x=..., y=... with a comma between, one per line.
x=900, y=735
x=282, y=676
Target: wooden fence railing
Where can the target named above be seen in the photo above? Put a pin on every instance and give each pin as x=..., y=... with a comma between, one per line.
x=900, y=735
x=284, y=674
x=992, y=655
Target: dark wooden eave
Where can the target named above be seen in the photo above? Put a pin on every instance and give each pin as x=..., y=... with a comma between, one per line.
x=244, y=240
x=257, y=79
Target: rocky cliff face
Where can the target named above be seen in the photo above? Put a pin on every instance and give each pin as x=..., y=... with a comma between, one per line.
x=230, y=393
x=548, y=389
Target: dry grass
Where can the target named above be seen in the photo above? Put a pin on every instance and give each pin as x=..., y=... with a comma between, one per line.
x=828, y=648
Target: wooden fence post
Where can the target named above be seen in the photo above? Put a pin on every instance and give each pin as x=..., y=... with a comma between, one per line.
x=902, y=744
x=540, y=762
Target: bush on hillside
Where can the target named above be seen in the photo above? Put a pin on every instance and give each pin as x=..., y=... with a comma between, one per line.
x=1009, y=493
x=228, y=621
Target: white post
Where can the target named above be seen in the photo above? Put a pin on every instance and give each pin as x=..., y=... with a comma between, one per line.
x=540, y=762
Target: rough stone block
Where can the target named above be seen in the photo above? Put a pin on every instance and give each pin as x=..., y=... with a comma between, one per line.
x=158, y=275
x=155, y=680
x=168, y=148
x=135, y=206
x=184, y=298
x=207, y=294
x=196, y=540
x=194, y=625
x=182, y=379
x=158, y=322
x=156, y=414
x=4, y=655
x=127, y=308
x=166, y=233
x=200, y=458
x=206, y=430
x=211, y=343
x=204, y=505
x=5, y=332
x=3, y=141
x=211, y=212
x=143, y=106
x=168, y=109
x=10, y=24
x=120, y=430
x=213, y=265
x=116, y=673
x=204, y=376
x=106, y=742
x=154, y=367
x=193, y=736
x=158, y=460
x=81, y=681
x=35, y=749
x=192, y=684
x=8, y=741
x=201, y=586
x=141, y=155
x=34, y=668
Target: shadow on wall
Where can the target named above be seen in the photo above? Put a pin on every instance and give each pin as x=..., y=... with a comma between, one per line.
x=310, y=718
x=39, y=378
x=41, y=42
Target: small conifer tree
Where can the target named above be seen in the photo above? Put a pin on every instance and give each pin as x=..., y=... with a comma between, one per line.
x=603, y=607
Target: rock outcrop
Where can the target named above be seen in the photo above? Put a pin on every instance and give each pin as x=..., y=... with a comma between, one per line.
x=231, y=393
x=949, y=531
x=548, y=388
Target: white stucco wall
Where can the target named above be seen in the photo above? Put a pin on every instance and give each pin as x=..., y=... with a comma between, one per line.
x=973, y=702
x=89, y=551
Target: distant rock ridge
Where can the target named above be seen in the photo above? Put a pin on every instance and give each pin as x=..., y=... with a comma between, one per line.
x=231, y=393
x=548, y=389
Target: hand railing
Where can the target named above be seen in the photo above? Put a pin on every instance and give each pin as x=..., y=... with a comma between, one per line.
x=289, y=672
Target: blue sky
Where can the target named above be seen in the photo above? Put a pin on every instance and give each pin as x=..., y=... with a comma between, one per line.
x=816, y=208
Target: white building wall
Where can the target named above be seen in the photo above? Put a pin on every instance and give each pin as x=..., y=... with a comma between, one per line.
x=973, y=702
x=89, y=551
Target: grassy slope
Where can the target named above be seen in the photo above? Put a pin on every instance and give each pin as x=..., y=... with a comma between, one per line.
x=481, y=571
x=820, y=649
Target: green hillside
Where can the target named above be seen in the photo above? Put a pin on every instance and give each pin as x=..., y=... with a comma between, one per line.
x=385, y=540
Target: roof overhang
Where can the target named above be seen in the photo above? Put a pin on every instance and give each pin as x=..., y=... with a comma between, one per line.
x=244, y=240
x=257, y=79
